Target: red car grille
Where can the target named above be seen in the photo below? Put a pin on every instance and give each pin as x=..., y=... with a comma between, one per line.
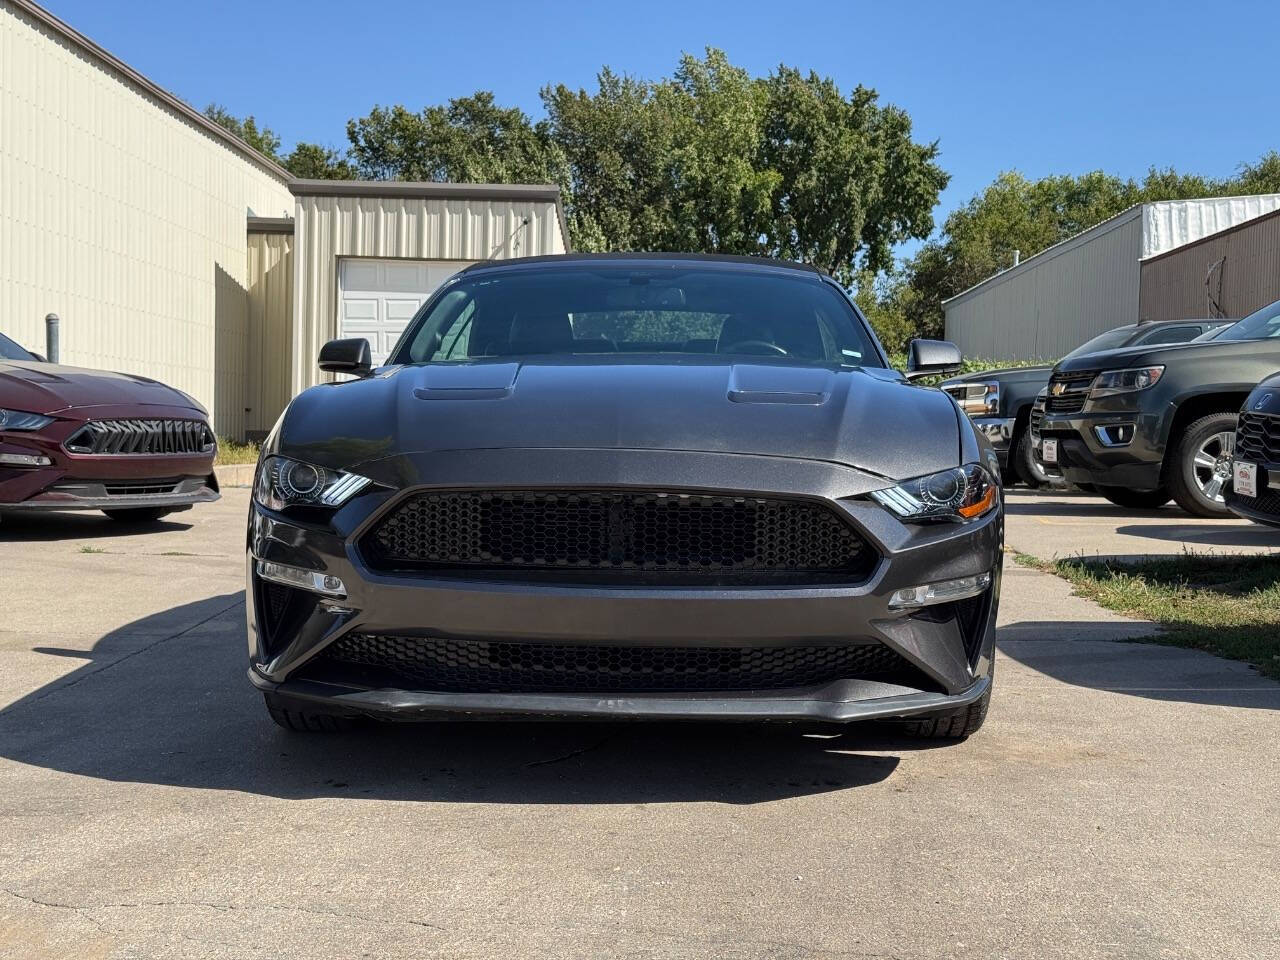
x=141, y=437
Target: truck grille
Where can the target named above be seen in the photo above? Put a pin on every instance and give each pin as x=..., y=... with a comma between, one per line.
x=1037, y=416
x=141, y=437
x=1258, y=438
x=481, y=666
x=1073, y=390
x=636, y=537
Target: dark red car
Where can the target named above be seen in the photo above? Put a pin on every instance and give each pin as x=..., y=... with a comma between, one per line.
x=74, y=439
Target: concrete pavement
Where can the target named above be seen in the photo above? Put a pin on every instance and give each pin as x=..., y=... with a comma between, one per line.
x=1120, y=802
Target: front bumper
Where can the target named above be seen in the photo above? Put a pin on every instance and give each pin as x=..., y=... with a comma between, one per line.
x=952, y=665
x=1083, y=457
x=999, y=433
x=1265, y=507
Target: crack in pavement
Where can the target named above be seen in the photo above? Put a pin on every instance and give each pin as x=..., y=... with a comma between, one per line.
x=83, y=909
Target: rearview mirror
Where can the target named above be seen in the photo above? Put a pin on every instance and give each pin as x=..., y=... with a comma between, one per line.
x=927, y=358
x=347, y=356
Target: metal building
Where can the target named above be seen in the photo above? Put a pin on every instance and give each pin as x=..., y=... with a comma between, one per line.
x=1052, y=302
x=172, y=249
x=1228, y=274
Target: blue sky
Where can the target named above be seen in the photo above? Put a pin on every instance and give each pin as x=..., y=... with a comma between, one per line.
x=1040, y=87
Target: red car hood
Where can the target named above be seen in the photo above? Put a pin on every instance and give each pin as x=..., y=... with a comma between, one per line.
x=50, y=388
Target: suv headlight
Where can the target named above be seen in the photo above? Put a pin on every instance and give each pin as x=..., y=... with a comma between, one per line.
x=19, y=420
x=980, y=399
x=1110, y=382
x=959, y=494
x=291, y=483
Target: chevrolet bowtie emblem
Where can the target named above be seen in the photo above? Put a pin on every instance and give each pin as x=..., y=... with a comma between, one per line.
x=1057, y=389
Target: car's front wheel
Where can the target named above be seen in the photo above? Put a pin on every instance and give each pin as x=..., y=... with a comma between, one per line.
x=1201, y=465
x=138, y=514
x=1135, y=499
x=293, y=716
x=1026, y=466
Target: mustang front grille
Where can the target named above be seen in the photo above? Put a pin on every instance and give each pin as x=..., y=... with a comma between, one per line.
x=645, y=537
x=141, y=437
x=1068, y=392
x=1258, y=438
x=481, y=666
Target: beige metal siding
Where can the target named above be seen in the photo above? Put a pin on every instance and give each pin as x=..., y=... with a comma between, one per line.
x=424, y=228
x=1051, y=303
x=270, y=329
x=125, y=217
x=1173, y=285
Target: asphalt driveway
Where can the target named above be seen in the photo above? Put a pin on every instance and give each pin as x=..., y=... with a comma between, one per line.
x=1120, y=802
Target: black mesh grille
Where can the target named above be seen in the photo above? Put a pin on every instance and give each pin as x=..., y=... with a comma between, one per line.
x=496, y=667
x=1068, y=391
x=1258, y=438
x=1267, y=502
x=620, y=536
x=134, y=437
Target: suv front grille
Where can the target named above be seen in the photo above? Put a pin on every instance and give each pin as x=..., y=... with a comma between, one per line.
x=1258, y=438
x=1072, y=391
x=1037, y=415
x=141, y=437
x=635, y=537
x=482, y=666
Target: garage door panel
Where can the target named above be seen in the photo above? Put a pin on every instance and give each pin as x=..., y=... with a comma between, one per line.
x=378, y=298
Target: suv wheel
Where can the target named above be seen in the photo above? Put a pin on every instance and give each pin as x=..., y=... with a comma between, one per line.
x=1135, y=499
x=1201, y=465
x=1025, y=465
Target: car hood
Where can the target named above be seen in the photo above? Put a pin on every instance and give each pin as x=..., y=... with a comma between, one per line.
x=51, y=388
x=1004, y=374
x=870, y=419
x=1171, y=353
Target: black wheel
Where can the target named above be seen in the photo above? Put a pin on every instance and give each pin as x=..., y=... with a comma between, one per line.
x=1201, y=465
x=288, y=714
x=138, y=514
x=1135, y=499
x=1025, y=465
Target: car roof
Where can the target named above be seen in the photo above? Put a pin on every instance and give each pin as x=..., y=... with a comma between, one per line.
x=722, y=260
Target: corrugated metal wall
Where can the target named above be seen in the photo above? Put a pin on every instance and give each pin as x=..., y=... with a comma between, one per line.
x=329, y=227
x=269, y=364
x=123, y=217
x=1051, y=303
x=1170, y=224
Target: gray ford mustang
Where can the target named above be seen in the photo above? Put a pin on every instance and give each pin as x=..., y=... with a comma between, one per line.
x=627, y=486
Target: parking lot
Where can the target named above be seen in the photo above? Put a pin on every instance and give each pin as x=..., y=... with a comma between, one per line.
x=1120, y=801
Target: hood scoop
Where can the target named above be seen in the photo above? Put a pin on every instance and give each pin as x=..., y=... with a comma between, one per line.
x=767, y=384
x=486, y=381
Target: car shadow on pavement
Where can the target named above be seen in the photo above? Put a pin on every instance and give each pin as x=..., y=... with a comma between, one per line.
x=165, y=700
x=1096, y=656
x=1205, y=535
x=46, y=527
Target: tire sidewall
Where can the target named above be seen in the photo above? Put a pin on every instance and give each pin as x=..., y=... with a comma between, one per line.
x=1186, y=488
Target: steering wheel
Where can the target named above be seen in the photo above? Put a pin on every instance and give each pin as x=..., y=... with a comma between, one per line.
x=762, y=346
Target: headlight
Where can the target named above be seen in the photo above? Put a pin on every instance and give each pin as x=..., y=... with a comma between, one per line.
x=1111, y=382
x=18, y=420
x=961, y=493
x=980, y=399
x=291, y=483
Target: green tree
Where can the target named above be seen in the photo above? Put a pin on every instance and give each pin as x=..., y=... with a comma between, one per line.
x=305, y=160
x=263, y=140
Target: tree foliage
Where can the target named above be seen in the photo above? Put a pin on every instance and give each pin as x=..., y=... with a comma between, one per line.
x=306, y=160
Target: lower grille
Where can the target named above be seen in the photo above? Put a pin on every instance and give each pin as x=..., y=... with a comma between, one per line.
x=637, y=537
x=1267, y=502
x=1037, y=416
x=128, y=488
x=1258, y=438
x=500, y=667
x=141, y=437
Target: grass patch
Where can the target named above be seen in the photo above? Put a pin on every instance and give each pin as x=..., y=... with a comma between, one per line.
x=87, y=549
x=230, y=452
x=1228, y=606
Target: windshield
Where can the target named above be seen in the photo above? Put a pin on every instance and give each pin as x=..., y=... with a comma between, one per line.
x=1263, y=324
x=11, y=351
x=604, y=308
x=1111, y=340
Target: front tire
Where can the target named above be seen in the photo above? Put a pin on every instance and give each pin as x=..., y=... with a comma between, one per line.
x=138, y=514
x=1201, y=465
x=296, y=719
x=1135, y=499
x=1025, y=465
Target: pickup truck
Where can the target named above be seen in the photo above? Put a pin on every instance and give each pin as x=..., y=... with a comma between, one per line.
x=999, y=401
x=1150, y=423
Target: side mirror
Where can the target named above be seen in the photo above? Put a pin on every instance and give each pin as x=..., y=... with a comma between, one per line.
x=347, y=356
x=927, y=358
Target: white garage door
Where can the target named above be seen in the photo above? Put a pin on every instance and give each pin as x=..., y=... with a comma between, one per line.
x=377, y=298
